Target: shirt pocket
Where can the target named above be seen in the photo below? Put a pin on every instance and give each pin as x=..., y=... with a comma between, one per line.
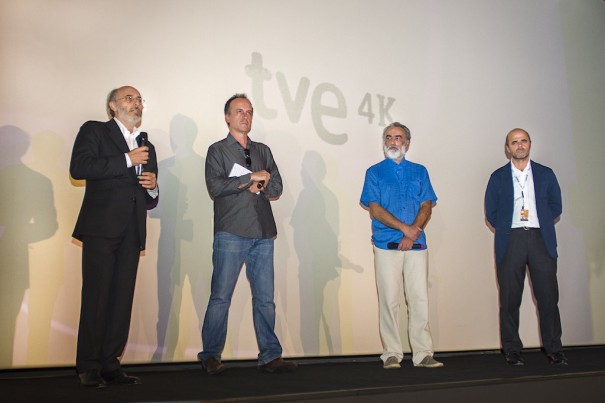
x=412, y=189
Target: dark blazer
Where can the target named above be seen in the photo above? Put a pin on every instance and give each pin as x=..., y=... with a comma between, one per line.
x=499, y=205
x=112, y=189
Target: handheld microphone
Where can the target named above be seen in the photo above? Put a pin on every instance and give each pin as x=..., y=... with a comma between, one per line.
x=260, y=184
x=395, y=245
x=141, y=141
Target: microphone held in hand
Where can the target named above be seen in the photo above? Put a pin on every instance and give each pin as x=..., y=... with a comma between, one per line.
x=260, y=184
x=142, y=139
x=142, y=142
x=395, y=245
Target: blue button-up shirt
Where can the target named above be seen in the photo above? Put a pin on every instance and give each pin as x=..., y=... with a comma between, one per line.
x=399, y=189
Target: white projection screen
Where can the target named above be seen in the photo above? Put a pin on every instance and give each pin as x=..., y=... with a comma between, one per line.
x=324, y=77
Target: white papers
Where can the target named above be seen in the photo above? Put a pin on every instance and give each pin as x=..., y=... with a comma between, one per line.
x=238, y=171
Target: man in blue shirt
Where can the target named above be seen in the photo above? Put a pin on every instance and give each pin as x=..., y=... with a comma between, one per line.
x=400, y=198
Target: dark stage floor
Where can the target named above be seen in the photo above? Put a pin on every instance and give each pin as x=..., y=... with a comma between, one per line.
x=466, y=377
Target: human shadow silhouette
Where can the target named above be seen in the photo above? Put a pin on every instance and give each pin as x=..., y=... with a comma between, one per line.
x=27, y=215
x=316, y=224
x=47, y=259
x=185, y=241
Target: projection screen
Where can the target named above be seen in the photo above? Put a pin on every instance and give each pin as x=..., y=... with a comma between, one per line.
x=324, y=78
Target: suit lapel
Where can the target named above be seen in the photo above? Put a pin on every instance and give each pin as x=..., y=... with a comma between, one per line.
x=536, y=170
x=508, y=181
x=115, y=134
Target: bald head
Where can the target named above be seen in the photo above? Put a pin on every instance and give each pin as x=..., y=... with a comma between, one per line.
x=126, y=105
x=518, y=145
x=516, y=131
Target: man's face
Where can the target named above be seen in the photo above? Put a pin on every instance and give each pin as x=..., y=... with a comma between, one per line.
x=128, y=106
x=395, y=143
x=518, y=145
x=239, y=117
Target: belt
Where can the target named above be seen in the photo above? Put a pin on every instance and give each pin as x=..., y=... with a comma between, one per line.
x=526, y=228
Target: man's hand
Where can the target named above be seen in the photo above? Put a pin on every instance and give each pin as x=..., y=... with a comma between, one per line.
x=148, y=180
x=405, y=244
x=139, y=155
x=411, y=232
x=256, y=178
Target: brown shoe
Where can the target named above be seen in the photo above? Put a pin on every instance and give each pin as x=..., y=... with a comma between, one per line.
x=278, y=365
x=213, y=366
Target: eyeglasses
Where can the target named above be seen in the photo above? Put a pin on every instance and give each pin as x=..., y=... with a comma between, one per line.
x=248, y=160
x=130, y=99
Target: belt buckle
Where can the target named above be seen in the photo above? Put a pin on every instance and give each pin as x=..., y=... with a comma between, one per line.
x=526, y=228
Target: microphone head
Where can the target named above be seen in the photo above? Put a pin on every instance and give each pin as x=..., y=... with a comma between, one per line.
x=142, y=139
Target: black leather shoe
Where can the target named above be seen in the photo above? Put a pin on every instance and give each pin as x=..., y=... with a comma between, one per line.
x=278, y=365
x=119, y=377
x=213, y=366
x=557, y=358
x=514, y=358
x=92, y=379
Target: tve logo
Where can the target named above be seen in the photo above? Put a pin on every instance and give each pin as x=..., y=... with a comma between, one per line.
x=294, y=101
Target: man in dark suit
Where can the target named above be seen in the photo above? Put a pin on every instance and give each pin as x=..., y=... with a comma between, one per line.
x=522, y=204
x=121, y=185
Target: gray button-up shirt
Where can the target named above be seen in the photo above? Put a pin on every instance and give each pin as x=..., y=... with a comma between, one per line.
x=239, y=211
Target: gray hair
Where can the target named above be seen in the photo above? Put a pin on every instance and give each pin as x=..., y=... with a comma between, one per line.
x=111, y=97
x=408, y=135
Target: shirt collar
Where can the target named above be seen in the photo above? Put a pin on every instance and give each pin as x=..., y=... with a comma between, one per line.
x=125, y=132
x=517, y=170
x=400, y=163
x=231, y=140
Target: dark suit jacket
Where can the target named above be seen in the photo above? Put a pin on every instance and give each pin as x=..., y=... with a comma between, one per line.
x=499, y=204
x=112, y=189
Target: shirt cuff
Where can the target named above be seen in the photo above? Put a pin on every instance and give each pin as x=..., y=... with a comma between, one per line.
x=154, y=192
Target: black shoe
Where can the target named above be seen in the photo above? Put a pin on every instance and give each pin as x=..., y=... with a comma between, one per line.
x=92, y=379
x=278, y=365
x=514, y=358
x=557, y=358
x=213, y=366
x=119, y=377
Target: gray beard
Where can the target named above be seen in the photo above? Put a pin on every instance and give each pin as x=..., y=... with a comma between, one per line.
x=134, y=121
x=394, y=154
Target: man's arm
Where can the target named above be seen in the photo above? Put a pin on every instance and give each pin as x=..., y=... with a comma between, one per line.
x=87, y=161
x=424, y=214
x=491, y=203
x=217, y=181
x=411, y=232
x=555, y=202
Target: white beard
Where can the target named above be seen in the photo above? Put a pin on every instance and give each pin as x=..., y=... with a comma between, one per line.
x=394, y=155
x=133, y=120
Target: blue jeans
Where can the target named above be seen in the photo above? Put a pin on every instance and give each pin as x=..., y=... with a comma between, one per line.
x=229, y=253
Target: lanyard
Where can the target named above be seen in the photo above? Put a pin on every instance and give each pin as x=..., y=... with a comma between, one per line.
x=522, y=187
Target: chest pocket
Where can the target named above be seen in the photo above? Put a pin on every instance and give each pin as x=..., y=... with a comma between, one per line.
x=412, y=189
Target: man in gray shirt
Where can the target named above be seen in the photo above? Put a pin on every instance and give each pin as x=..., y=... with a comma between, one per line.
x=242, y=179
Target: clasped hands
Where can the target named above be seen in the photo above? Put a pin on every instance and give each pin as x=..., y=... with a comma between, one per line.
x=411, y=234
x=260, y=180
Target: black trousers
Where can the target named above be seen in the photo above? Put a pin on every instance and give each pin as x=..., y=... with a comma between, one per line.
x=526, y=249
x=109, y=270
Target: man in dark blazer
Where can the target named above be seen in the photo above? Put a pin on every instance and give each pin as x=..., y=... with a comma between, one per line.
x=120, y=169
x=522, y=204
